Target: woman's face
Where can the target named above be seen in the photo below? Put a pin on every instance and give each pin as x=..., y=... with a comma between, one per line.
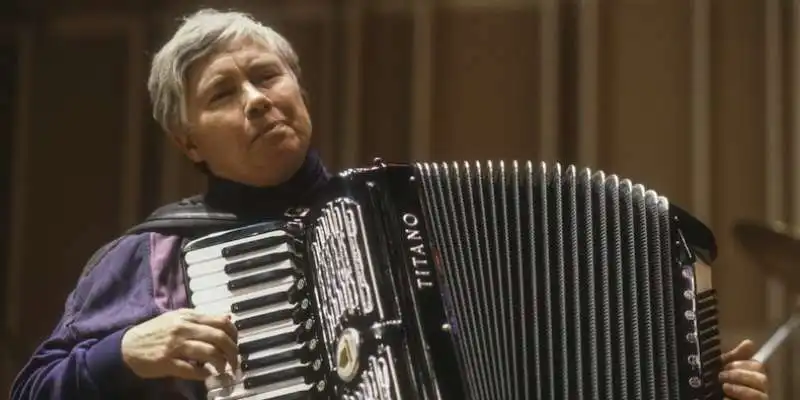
x=247, y=119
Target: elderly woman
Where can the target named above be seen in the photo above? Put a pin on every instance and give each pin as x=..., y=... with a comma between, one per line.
x=226, y=90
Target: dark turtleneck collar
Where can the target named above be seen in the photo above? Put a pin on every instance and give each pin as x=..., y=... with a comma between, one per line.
x=254, y=202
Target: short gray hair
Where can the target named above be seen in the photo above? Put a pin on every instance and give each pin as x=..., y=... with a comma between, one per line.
x=199, y=36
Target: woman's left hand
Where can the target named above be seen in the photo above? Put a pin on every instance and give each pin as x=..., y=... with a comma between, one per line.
x=742, y=377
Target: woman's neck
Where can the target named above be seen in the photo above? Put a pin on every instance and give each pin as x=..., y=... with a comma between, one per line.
x=269, y=202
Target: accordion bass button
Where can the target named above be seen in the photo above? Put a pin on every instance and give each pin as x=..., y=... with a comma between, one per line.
x=347, y=354
x=695, y=382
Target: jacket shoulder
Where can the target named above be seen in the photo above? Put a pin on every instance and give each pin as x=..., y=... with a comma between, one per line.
x=107, y=248
x=188, y=217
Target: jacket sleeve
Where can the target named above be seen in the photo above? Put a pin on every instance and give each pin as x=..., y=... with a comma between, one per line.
x=82, y=358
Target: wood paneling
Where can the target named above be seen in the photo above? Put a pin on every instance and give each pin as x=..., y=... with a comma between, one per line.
x=486, y=84
x=387, y=82
x=72, y=190
x=644, y=93
x=695, y=98
x=9, y=76
x=737, y=82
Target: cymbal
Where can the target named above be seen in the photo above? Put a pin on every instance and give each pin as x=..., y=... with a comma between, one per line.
x=774, y=247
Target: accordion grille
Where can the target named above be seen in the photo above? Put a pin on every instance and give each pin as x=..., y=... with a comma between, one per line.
x=560, y=283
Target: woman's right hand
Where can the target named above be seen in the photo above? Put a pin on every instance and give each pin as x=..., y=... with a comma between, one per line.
x=179, y=343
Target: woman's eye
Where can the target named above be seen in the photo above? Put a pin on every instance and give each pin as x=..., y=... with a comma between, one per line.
x=221, y=95
x=267, y=78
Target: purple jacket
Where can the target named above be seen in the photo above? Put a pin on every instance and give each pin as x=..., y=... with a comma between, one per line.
x=136, y=280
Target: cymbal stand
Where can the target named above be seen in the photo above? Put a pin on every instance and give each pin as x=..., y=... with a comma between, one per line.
x=776, y=340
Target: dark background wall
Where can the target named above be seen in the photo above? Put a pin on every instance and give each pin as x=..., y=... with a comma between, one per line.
x=697, y=98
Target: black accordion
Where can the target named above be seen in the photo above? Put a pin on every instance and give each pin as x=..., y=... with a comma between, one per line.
x=469, y=280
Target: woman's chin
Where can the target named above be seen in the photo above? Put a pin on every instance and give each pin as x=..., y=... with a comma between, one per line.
x=281, y=141
x=280, y=163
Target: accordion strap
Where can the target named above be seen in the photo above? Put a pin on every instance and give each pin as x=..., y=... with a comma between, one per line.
x=188, y=217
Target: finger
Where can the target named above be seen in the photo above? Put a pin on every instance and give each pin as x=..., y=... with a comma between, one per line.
x=739, y=392
x=221, y=322
x=203, y=352
x=185, y=370
x=744, y=351
x=749, y=365
x=220, y=340
x=751, y=379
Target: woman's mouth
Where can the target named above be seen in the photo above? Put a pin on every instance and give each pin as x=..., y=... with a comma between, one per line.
x=269, y=129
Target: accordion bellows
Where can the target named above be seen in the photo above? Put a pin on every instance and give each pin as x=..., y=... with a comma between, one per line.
x=493, y=280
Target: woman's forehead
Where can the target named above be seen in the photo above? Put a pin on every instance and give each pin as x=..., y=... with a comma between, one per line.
x=232, y=57
x=240, y=52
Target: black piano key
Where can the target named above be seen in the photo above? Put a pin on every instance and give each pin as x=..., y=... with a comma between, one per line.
x=264, y=319
x=261, y=277
x=262, y=301
x=274, y=377
x=255, y=262
x=245, y=349
x=254, y=245
x=270, y=360
x=235, y=234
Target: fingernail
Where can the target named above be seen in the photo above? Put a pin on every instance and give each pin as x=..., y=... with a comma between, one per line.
x=723, y=376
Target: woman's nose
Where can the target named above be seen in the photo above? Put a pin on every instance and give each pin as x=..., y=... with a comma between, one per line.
x=257, y=103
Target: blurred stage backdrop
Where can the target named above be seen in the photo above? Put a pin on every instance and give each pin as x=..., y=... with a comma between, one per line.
x=696, y=98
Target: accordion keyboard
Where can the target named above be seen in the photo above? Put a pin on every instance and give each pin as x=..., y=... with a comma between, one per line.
x=251, y=274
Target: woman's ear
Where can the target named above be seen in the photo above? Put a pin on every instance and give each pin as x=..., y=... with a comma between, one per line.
x=183, y=140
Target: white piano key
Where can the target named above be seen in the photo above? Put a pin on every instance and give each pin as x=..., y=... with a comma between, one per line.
x=231, y=377
x=233, y=382
x=275, y=351
x=206, y=253
x=220, y=277
x=265, y=312
x=217, y=264
x=263, y=393
x=266, y=331
x=224, y=304
x=222, y=292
